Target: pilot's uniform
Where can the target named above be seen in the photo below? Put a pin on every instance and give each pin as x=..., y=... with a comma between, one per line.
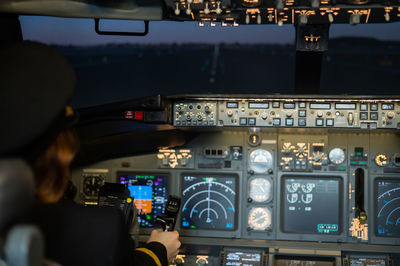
x=36, y=82
x=77, y=235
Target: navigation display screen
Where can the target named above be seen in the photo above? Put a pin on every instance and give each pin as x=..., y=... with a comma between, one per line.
x=387, y=207
x=150, y=193
x=209, y=202
x=311, y=205
x=242, y=258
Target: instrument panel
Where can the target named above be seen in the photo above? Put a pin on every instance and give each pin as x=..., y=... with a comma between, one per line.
x=289, y=113
x=270, y=195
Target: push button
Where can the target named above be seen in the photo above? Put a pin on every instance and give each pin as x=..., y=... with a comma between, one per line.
x=252, y=121
x=302, y=113
x=329, y=122
x=373, y=115
x=364, y=107
x=243, y=121
x=302, y=122
x=277, y=121
x=319, y=122
x=374, y=107
x=363, y=115
x=289, y=121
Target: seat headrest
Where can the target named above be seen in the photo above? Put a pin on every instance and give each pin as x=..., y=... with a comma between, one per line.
x=36, y=83
x=16, y=190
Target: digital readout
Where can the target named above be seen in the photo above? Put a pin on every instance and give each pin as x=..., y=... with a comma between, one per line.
x=256, y=105
x=320, y=106
x=232, y=105
x=288, y=106
x=345, y=106
x=387, y=106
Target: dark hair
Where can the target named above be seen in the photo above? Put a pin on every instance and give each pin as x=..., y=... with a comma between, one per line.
x=51, y=168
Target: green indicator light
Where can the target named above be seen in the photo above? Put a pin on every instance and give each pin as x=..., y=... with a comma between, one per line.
x=354, y=162
x=192, y=226
x=358, y=153
x=383, y=113
x=148, y=217
x=152, y=176
x=389, y=234
x=363, y=162
x=204, y=179
x=341, y=168
x=214, y=179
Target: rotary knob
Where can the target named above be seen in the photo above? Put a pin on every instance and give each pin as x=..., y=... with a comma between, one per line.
x=264, y=116
x=381, y=160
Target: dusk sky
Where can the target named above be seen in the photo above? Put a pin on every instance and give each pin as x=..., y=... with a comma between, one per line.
x=74, y=31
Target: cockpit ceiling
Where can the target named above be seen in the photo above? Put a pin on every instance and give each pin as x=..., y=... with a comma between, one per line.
x=226, y=12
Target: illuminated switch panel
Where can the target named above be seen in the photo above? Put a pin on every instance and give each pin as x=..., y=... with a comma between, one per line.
x=197, y=114
x=176, y=159
x=310, y=113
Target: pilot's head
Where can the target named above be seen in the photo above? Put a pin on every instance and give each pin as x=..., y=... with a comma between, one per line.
x=36, y=83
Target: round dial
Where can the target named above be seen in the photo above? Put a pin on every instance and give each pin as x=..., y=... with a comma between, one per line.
x=292, y=188
x=381, y=160
x=260, y=218
x=337, y=156
x=260, y=189
x=92, y=184
x=260, y=160
x=307, y=188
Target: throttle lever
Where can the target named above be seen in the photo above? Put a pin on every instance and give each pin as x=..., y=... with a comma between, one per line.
x=168, y=220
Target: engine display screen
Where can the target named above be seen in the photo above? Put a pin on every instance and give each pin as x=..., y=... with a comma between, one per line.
x=300, y=261
x=387, y=207
x=367, y=262
x=209, y=202
x=150, y=193
x=242, y=258
x=311, y=205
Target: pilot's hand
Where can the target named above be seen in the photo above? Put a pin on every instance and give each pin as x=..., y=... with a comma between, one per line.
x=169, y=239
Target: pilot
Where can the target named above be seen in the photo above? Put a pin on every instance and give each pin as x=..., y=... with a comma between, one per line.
x=36, y=83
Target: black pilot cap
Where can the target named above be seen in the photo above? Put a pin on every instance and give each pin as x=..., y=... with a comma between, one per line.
x=36, y=83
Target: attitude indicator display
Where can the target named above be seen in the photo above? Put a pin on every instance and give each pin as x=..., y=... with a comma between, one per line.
x=150, y=195
x=209, y=202
x=311, y=205
x=387, y=207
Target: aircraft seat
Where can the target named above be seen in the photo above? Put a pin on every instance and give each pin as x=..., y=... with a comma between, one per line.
x=20, y=244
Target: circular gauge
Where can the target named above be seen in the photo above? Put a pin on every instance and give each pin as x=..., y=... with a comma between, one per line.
x=292, y=188
x=92, y=184
x=260, y=189
x=254, y=140
x=337, y=156
x=260, y=160
x=307, y=188
x=260, y=218
x=381, y=160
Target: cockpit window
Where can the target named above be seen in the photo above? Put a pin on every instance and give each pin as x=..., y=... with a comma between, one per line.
x=182, y=57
